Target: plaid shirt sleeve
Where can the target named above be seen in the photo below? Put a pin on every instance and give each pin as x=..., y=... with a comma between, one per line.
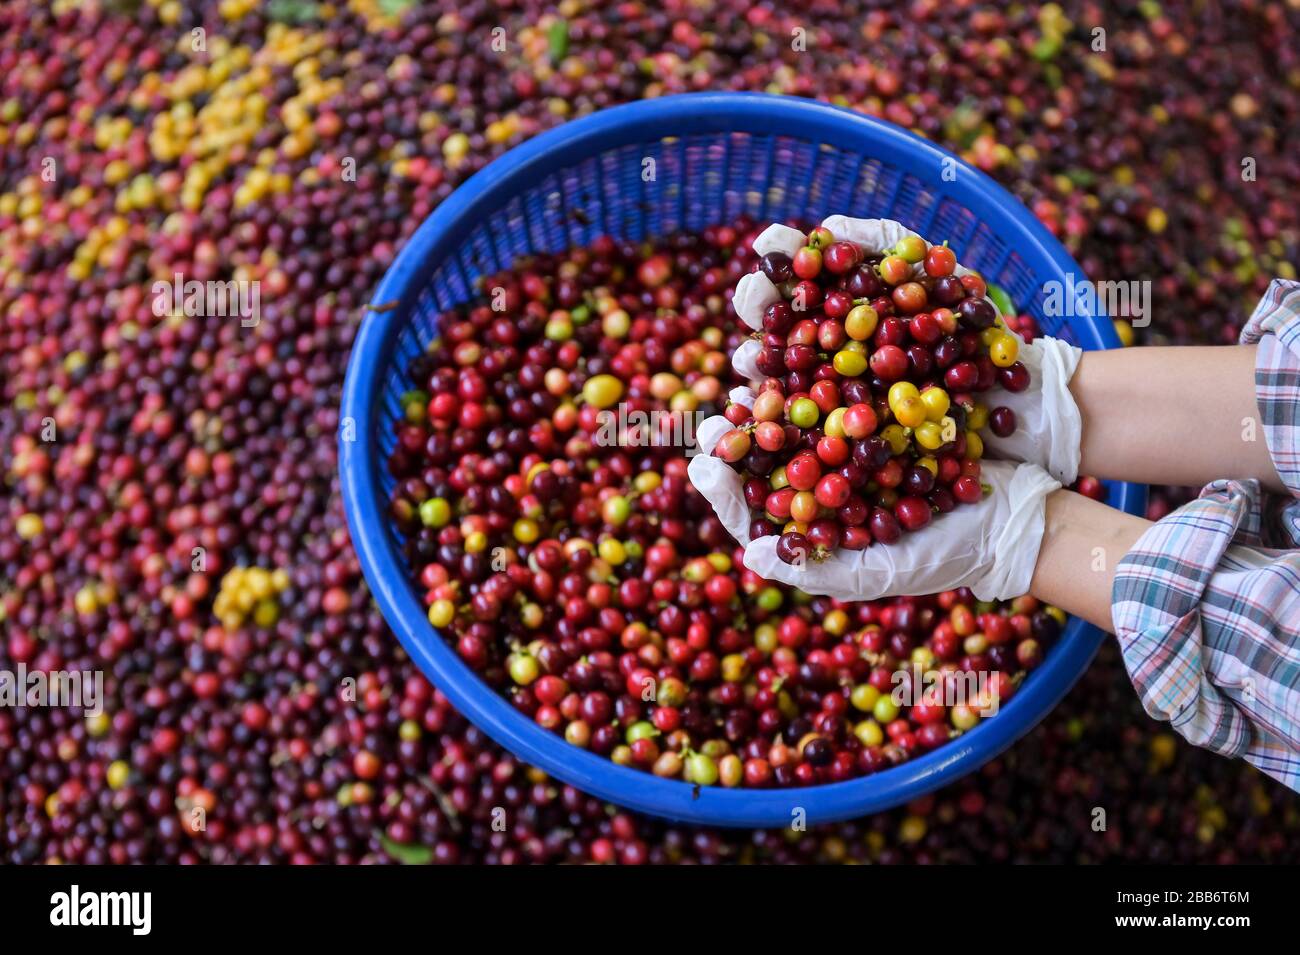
x=1207, y=603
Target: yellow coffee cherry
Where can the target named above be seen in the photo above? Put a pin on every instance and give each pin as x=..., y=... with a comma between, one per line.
x=896, y=437
x=974, y=445
x=864, y=697
x=910, y=412
x=1004, y=350
x=900, y=390
x=936, y=403
x=929, y=435
x=612, y=551
x=848, y=363
x=860, y=323
x=978, y=417
x=912, y=829
x=833, y=426
x=836, y=622
x=441, y=612
x=602, y=390
x=869, y=733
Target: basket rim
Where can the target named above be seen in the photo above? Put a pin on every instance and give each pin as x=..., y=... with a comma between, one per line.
x=390, y=580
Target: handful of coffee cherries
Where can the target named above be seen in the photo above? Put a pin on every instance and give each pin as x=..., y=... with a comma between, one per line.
x=875, y=350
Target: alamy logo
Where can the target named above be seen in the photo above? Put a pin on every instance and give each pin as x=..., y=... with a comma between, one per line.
x=633, y=428
x=80, y=688
x=131, y=909
x=231, y=299
x=916, y=685
x=1131, y=300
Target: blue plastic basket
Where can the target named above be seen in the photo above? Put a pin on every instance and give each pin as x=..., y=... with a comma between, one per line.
x=716, y=157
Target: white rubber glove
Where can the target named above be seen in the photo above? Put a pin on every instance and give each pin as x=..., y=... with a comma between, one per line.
x=721, y=486
x=990, y=546
x=1049, y=428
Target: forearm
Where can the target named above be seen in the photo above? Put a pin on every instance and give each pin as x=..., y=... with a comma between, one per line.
x=1083, y=542
x=1172, y=416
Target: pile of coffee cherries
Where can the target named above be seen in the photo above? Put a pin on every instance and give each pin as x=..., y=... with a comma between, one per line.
x=868, y=421
x=175, y=434
x=563, y=550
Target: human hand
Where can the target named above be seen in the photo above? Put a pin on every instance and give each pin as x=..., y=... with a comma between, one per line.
x=990, y=546
x=1049, y=428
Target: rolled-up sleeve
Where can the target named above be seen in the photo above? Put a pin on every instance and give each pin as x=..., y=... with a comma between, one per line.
x=1207, y=603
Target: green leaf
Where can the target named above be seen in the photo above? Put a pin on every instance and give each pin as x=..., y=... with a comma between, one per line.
x=1081, y=177
x=1046, y=48
x=1001, y=299
x=293, y=11
x=395, y=7
x=407, y=855
x=557, y=37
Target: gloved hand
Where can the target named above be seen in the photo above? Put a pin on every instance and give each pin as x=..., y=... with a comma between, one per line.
x=990, y=546
x=1049, y=428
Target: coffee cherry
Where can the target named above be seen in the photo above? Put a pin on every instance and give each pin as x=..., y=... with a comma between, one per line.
x=912, y=513
x=778, y=318
x=859, y=421
x=803, y=471
x=894, y=270
x=832, y=491
x=832, y=451
x=769, y=436
x=824, y=536
x=1002, y=422
x=860, y=323
x=936, y=402
x=732, y=446
x=909, y=297
x=962, y=376
x=1003, y=350
x=803, y=506
x=976, y=313
x=939, y=261
x=769, y=406
x=850, y=362
x=948, y=290
x=974, y=285
x=793, y=548
x=807, y=262
x=967, y=490
x=884, y=526
x=840, y=257
x=889, y=363
x=803, y=412
x=911, y=249
x=777, y=266
x=1014, y=378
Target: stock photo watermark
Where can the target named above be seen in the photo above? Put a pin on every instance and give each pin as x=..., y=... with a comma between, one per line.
x=240, y=299
x=918, y=686
x=74, y=908
x=54, y=688
x=632, y=428
x=1074, y=298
